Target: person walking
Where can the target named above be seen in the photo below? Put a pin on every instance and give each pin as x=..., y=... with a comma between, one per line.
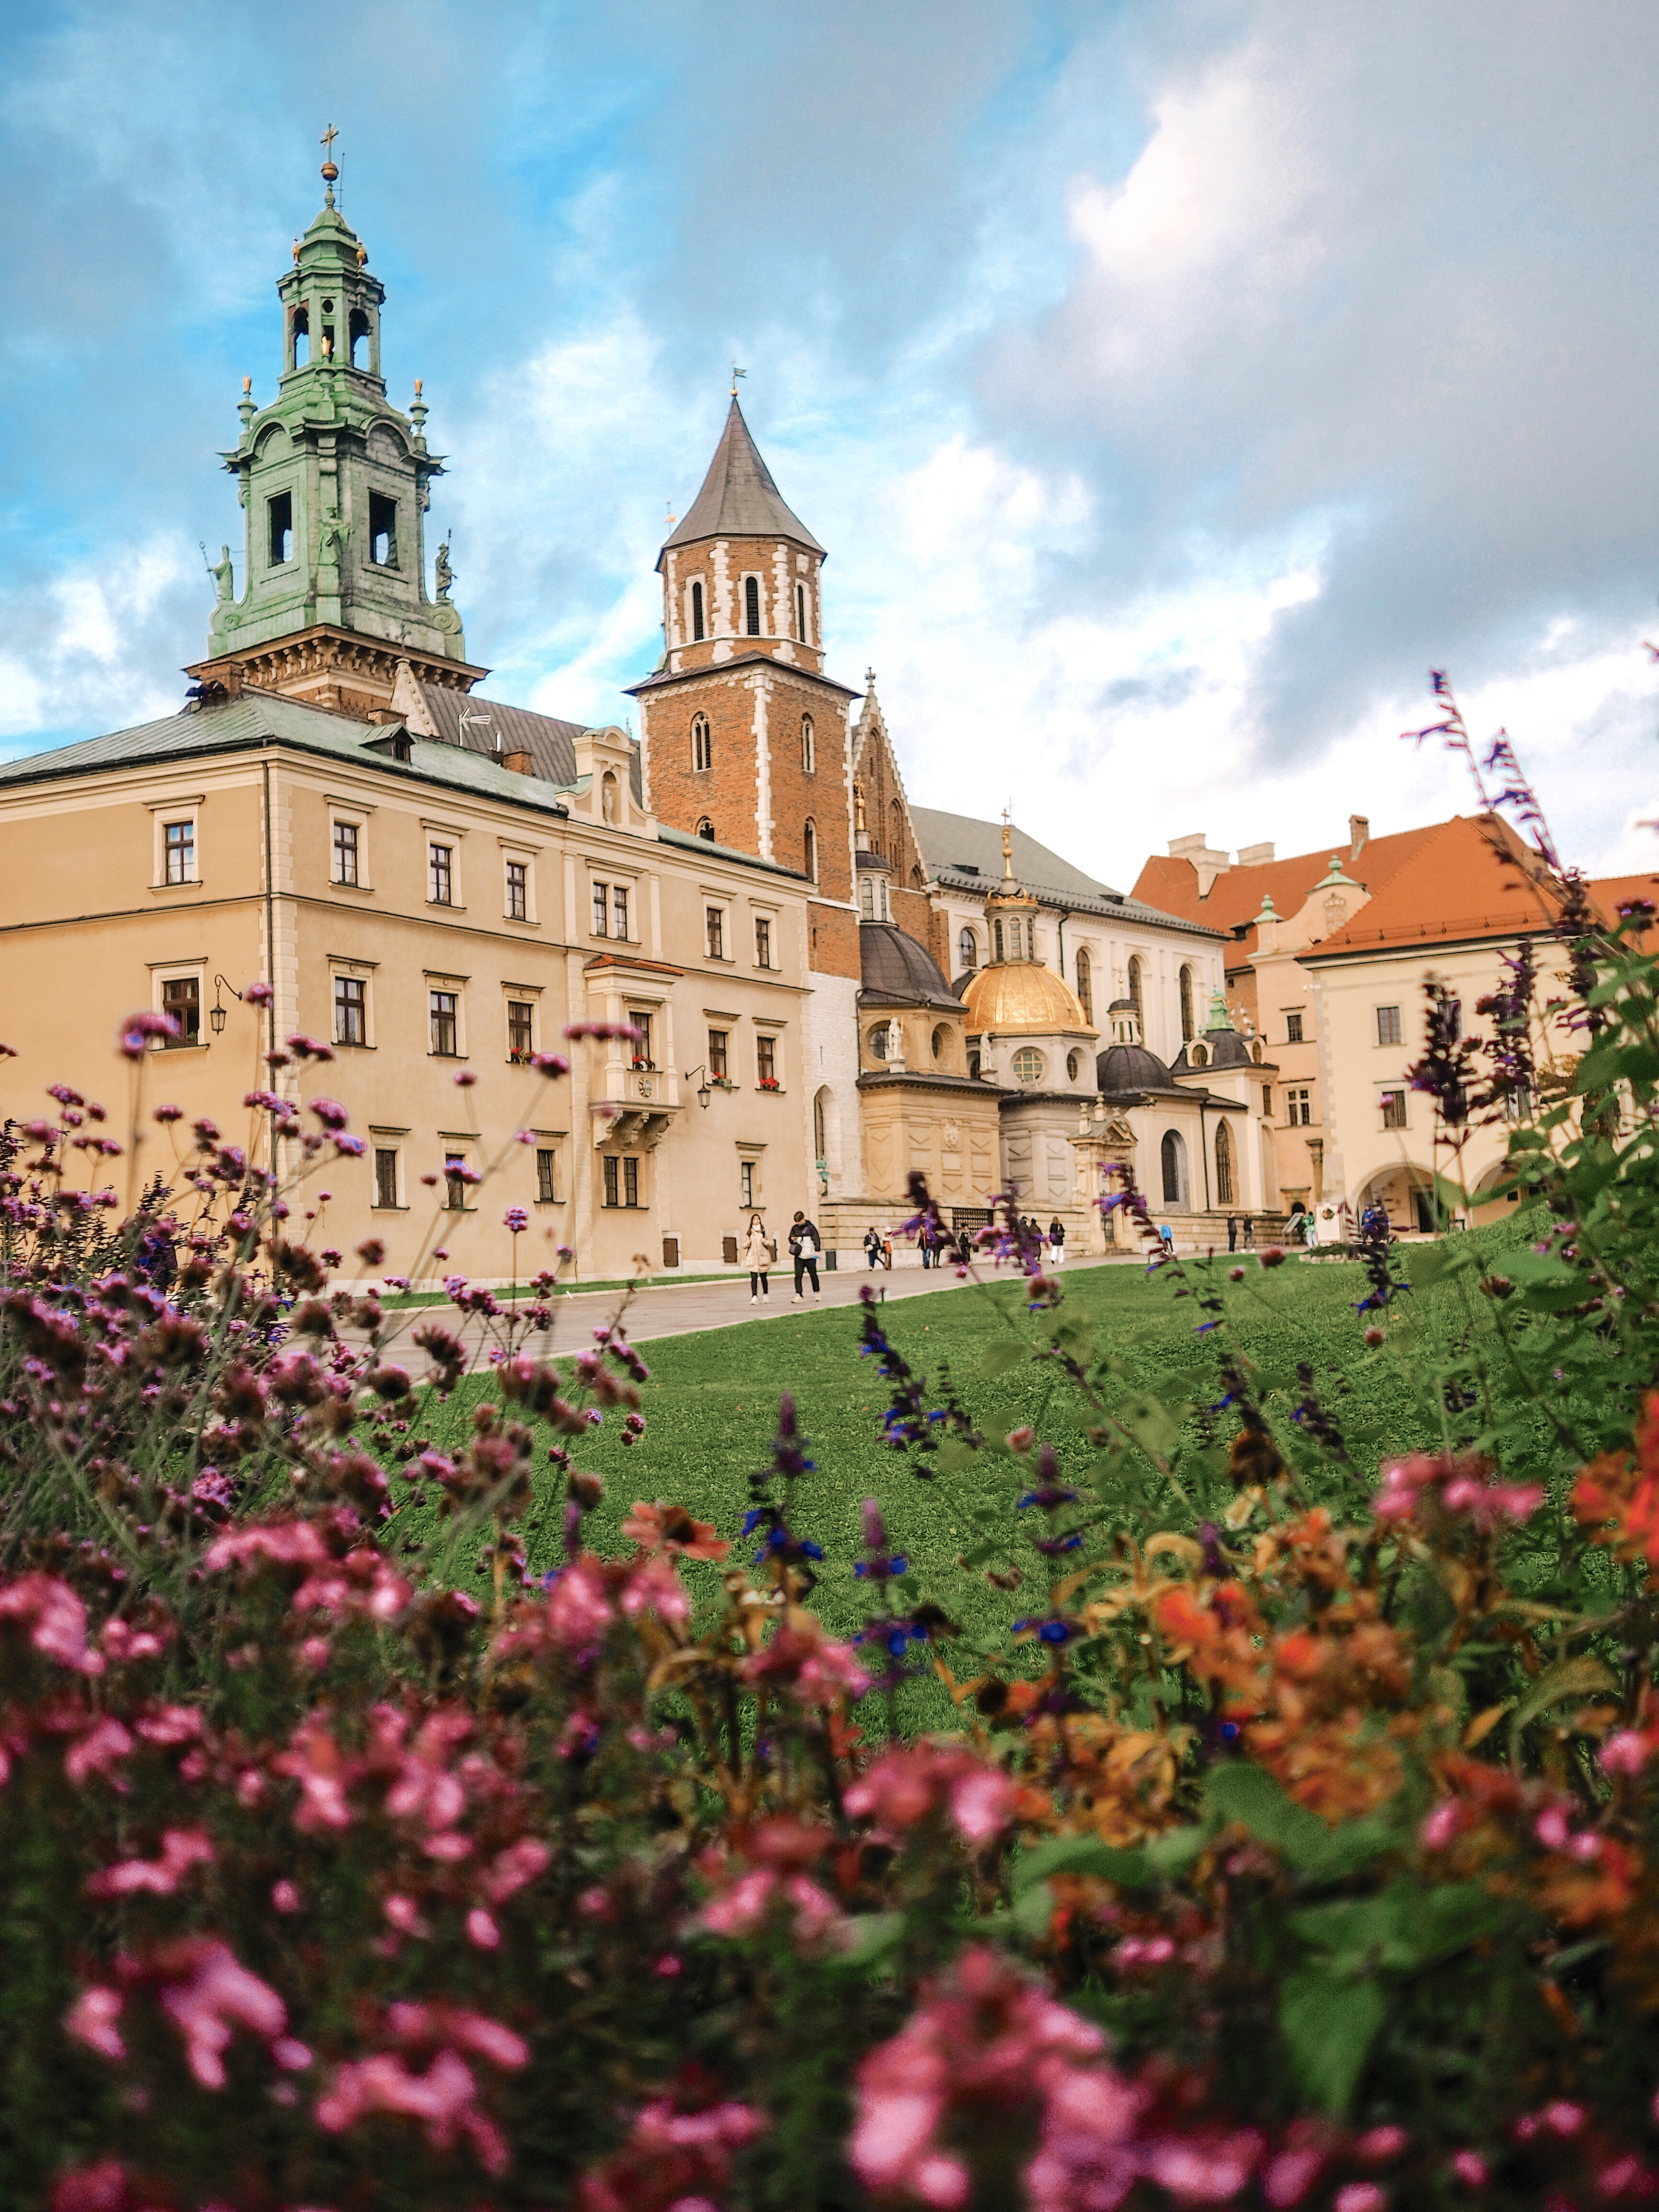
x=757, y=1258
x=872, y=1248
x=1249, y=1232
x=805, y=1245
x=1166, y=1238
x=887, y=1254
x=1232, y=1232
x=1056, y=1242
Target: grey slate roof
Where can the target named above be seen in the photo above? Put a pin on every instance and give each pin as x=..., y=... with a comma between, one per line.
x=550, y=743
x=738, y=498
x=965, y=855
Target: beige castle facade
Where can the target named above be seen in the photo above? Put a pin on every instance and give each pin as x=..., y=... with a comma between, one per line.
x=829, y=989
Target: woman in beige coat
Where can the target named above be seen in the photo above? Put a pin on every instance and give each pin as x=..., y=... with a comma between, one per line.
x=757, y=1258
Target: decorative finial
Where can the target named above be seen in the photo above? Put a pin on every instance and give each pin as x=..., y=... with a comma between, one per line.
x=417, y=415
x=1007, y=845
x=244, y=407
x=870, y=678
x=736, y=374
x=330, y=167
x=671, y=516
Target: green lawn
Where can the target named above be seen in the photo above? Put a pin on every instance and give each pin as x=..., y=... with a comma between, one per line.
x=711, y=1404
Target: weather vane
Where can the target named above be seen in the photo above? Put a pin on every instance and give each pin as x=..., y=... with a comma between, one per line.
x=736, y=374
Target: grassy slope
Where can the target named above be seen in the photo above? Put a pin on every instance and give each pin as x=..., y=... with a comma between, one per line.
x=711, y=1406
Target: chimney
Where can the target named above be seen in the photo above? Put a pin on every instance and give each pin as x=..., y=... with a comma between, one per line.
x=1359, y=829
x=519, y=762
x=1254, y=856
x=1207, y=864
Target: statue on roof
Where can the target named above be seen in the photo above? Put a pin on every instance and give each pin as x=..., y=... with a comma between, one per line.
x=223, y=573
x=442, y=575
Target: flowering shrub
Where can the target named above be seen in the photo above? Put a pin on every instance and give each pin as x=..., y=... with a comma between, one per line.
x=1300, y=1844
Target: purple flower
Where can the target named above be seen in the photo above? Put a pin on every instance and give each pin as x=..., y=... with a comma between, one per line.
x=549, y=1063
x=516, y=1220
x=139, y=1028
x=258, y=994
x=330, y=1113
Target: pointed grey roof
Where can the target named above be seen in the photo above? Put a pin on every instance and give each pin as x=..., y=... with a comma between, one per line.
x=738, y=498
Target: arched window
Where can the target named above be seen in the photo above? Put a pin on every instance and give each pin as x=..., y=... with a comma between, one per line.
x=1028, y=1065
x=1255, y=1054
x=1170, y=1154
x=973, y=1067
x=751, y=605
x=800, y=612
x=894, y=831
x=706, y=829
x=1073, y=1066
x=1030, y=940
x=996, y=939
x=942, y=1041
x=810, y=851
x=301, y=337
x=820, y=1133
x=1224, y=1165
x=809, y=751
x=968, y=951
x=702, y=751
x=867, y=897
x=1185, y=1006
x=878, y=1042
x=1083, y=976
x=357, y=338
x=698, y=626
x=1134, y=993
x=1198, y=1055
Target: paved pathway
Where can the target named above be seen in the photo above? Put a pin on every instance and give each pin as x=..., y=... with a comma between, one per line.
x=682, y=1308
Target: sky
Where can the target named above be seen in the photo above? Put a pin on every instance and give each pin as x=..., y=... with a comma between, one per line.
x=1173, y=384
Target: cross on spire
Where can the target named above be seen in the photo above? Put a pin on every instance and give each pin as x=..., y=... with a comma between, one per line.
x=326, y=142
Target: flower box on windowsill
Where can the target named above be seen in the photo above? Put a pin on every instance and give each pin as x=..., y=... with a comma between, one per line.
x=721, y=1083
x=768, y=1083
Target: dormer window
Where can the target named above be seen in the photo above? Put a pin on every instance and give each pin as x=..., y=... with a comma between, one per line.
x=279, y=516
x=382, y=530
x=698, y=625
x=706, y=829
x=751, y=608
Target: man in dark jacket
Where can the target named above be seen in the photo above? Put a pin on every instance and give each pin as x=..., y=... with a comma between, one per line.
x=805, y=1245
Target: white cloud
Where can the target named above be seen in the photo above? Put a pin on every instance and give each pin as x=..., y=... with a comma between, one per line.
x=90, y=661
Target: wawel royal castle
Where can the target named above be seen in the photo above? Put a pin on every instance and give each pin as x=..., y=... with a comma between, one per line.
x=832, y=987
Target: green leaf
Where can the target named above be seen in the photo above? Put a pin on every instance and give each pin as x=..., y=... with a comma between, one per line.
x=1329, y=2025
x=953, y=1455
x=1002, y=1353
x=1083, y=1855
x=1249, y=1795
x=1155, y=1427
x=1568, y=1678
x=1427, y=1264
x=873, y=1935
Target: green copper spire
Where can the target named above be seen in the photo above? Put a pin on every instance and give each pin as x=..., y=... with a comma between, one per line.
x=1219, y=1018
x=333, y=480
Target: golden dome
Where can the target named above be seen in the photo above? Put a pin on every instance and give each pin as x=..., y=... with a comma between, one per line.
x=1024, y=997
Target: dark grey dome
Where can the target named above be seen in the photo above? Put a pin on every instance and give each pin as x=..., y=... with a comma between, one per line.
x=1223, y=1049
x=1125, y=1071
x=897, y=969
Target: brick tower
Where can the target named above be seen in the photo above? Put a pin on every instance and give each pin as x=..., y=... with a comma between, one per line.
x=744, y=736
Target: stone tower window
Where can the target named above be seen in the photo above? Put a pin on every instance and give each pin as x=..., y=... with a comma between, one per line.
x=1224, y=1166
x=357, y=333
x=300, y=351
x=810, y=851
x=1085, y=986
x=382, y=530
x=800, y=612
x=968, y=951
x=751, y=611
x=697, y=625
x=1134, y=992
x=279, y=515
x=1185, y=1006
x=809, y=757
x=702, y=751
x=706, y=829
x=1028, y=1065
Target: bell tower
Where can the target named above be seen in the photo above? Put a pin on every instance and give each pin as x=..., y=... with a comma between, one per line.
x=334, y=484
x=744, y=738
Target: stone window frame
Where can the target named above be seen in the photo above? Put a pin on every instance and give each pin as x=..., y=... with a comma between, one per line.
x=745, y=579
x=445, y=832
x=357, y=971
x=179, y=806
x=354, y=815
x=163, y=972
x=514, y=851
x=382, y=1138
x=433, y=980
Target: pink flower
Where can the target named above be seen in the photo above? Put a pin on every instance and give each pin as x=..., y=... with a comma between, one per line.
x=654, y=1584
x=324, y=1773
x=481, y=1930
x=57, y=1620
x=288, y=1543
x=442, y=2099
x=1471, y=2169
x=181, y=1848
x=1627, y=1752
x=1439, y=1827
x=579, y=1607
x=220, y=1997
x=1360, y=2197
x=509, y=1871
x=103, y=2187
x=97, y=1751
x=1290, y=2177
x=284, y=1897
x=903, y=1786
x=91, y=2020
x=1379, y=2143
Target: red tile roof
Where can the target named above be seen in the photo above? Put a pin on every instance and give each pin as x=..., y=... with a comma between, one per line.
x=1236, y=897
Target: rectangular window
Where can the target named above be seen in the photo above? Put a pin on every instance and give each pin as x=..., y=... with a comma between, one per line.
x=718, y=1040
x=1293, y=1029
x=445, y=1027
x=766, y=1059
x=386, y=1176
x=440, y=875
x=1388, y=1025
x=612, y=1180
x=1300, y=1109
x=622, y=1179
x=518, y=890
x=345, y=853
x=181, y=997
x=762, y=942
x=630, y=1181
x=178, y=841
x=642, y=1051
x=1266, y=1098
x=520, y=1030
x=714, y=919
x=619, y=909
x=545, y=1194
x=279, y=518
x=601, y=909
x=350, y=1010
x=746, y=1181
x=454, y=1181
x=1393, y=1109
x=382, y=530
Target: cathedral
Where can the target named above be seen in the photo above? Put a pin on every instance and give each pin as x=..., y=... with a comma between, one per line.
x=779, y=983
